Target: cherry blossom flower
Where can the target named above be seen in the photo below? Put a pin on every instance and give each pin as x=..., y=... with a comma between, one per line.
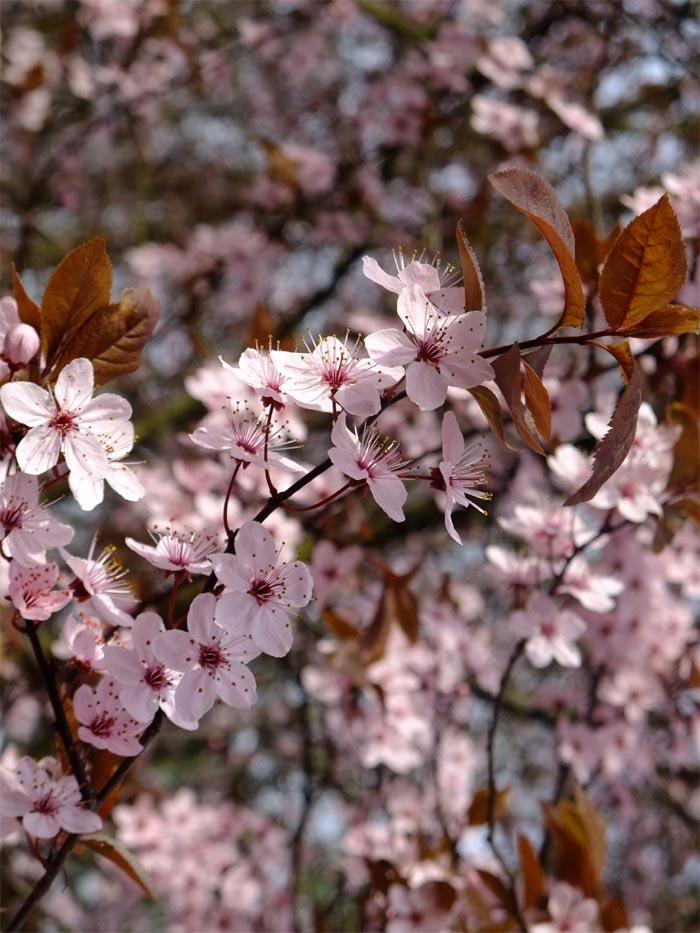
x=570, y=912
x=177, y=551
x=333, y=570
x=100, y=585
x=19, y=342
x=594, y=591
x=82, y=639
x=119, y=476
x=438, y=351
x=261, y=593
x=65, y=421
x=374, y=459
x=636, y=691
x=331, y=374
x=146, y=682
x=213, y=661
x=46, y=801
x=460, y=472
x=550, y=631
x=246, y=437
x=32, y=594
x=28, y=528
x=257, y=368
x=436, y=281
x=104, y=721
x=515, y=569
x=551, y=531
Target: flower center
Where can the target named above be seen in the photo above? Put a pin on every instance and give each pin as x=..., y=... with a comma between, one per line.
x=210, y=658
x=103, y=725
x=63, y=422
x=46, y=804
x=261, y=590
x=156, y=678
x=12, y=517
x=429, y=352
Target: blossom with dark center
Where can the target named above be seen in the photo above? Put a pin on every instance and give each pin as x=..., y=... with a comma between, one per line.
x=146, y=683
x=460, y=472
x=105, y=723
x=248, y=439
x=28, y=528
x=332, y=374
x=437, y=350
x=177, y=551
x=261, y=593
x=46, y=801
x=213, y=661
x=100, y=585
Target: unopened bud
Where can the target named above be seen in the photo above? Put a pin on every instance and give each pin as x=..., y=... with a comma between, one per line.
x=21, y=345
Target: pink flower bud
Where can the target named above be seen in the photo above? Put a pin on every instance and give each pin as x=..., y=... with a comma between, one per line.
x=21, y=345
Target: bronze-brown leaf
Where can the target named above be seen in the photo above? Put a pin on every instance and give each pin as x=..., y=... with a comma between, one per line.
x=79, y=286
x=474, y=295
x=507, y=370
x=114, y=337
x=645, y=269
x=535, y=197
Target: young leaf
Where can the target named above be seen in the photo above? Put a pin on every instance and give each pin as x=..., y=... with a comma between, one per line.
x=79, y=286
x=535, y=197
x=621, y=352
x=666, y=322
x=474, y=295
x=614, y=447
x=122, y=858
x=578, y=833
x=538, y=402
x=533, y=875
x=114, y=337
x=507, y=370
x=645, y=269
x=491, y=409
x=28, y=310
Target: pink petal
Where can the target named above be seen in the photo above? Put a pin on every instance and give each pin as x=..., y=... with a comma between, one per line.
x=422, y=274
x=452, y=440
x=232, y=571
x=390, y=495
x=298, y=583
x=195, y=695
x=123, y=665
x=79, y=820
x=200, y=618
x=390, y=347
x=177, y=650
x=240, y=690
x=125, y=482
x=235, y=612
x=140, y=702
x=41, y=825
x=425, y=386
x=85, y=455
x=147, y=626
x=374, y=272
x=87, y=494
x=102, y=412
x=75, y=384
x=416, y=311
x=272, y=632
x=38, y=450
x=255, y=545
x=27, y=403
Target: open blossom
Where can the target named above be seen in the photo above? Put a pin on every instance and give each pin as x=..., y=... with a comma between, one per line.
x=104, y=721
x=437, y=281
x=460, y=472
x=213, y=661
x=247, y=438
x=146, y=683
x=32, y=593
x=594, y=591
x=570, y=912
x=438, y=351
x=82, y=639
x=27, y=527
x=261, y=593
x=119, y=476
x=46, y=801
x=65, y=421
x=177, y=551
x=257, y=368
x=100, y=585
x=332, y=374
x=374, y=459
x=550, y=631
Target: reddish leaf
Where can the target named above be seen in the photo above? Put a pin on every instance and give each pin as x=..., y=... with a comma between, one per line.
x=491, y=408
x=685, y=473
x=578, y=833
x=474, y=294
x=538, y=402
x=478, y=813
x=79, y=286
x=622, y=353
x=496, y=887
x=667, y=322
x=28, y=310
x=339, y=626
x=536, y=198
x=646, y=267
x=613, y=915
x=122, y=858
x=588, y=250
x=507, y=370
x=113, y=337
x=533, y=876
x=614, y=447
x=538, y=358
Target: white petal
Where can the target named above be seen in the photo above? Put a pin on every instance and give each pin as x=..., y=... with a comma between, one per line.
x=390, y=494
x=27, y=403
x=425, y=386
x=38, y=450
x=272, y=632
x=75, y=384
x=452, y=440
x=390, y=347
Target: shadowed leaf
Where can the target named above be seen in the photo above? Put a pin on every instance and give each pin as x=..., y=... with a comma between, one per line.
x=28, y=310
x=474, y=294
x=645, y=269
x=578, y=833
x=538, y=402
x=622, y=353
x=79, y=286
x=667, y=322
x=478, y=813
x=116, y=853
x=508, y=380
x=114, y=337
x=536, y=198
x=614, y=447
x=533, y=876
x=491, y=409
